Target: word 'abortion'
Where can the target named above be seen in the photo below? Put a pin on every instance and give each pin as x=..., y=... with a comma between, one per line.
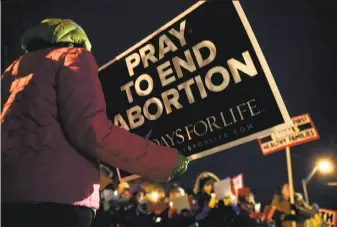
x=171, y=71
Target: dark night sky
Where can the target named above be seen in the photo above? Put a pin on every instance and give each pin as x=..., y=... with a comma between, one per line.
x=298, y=39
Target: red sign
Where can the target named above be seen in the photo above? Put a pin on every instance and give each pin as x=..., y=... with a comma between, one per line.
x=237, y=183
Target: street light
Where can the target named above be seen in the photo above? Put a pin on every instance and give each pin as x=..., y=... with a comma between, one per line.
x=332, y=184
x=324, y=166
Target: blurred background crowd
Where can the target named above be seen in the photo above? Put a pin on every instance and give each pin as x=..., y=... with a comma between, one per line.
x=143, y=203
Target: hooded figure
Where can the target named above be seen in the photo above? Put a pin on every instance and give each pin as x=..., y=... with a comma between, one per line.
x=205, y=178
x=54, y=132
x=203, y=190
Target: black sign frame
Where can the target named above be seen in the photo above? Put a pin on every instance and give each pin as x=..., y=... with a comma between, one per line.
x=277, y=112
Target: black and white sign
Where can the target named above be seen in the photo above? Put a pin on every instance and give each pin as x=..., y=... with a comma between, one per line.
x=302, y=131
x=199, y=84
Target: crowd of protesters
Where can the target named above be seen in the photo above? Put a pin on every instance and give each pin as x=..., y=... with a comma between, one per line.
x=147, y=204
x=55, y=133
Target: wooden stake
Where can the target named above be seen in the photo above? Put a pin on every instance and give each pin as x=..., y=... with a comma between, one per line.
x=290, y=179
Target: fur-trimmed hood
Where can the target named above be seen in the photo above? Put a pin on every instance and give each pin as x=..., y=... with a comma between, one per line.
x=205, y=176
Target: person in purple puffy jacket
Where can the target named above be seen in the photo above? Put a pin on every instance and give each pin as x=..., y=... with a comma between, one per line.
x=54, y=132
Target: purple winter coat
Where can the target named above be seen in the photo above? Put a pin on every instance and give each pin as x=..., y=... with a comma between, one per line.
x=54, y=130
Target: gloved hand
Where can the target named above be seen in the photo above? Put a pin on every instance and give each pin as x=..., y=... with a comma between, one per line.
x=181, y=166
x=212, y=202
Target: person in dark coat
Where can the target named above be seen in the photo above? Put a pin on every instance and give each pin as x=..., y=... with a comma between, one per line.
x=205, y=200
x=248, y=216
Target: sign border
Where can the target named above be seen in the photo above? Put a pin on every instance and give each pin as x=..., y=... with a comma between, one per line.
x=332, y=211
x=261, y=59
x=296, y=143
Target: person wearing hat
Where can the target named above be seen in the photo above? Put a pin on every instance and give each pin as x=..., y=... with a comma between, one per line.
x=55, y=130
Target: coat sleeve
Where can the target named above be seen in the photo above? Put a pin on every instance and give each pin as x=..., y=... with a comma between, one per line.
x=83, y=117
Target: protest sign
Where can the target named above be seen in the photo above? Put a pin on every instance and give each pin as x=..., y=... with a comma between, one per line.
x=199, y=84
x=302, y=131
x=223, y=189
x=181, y=203
x=237, y=183
x=329, y=217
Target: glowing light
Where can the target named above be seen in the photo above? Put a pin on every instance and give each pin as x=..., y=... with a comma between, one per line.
x=115, y=193
x=182, y=192
x=332, y=184
x=158, y=219
x=171, y=204
x=233, y=199
x=325, y=166
x=154, y=196
x=213, y=195
x=258, y=207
